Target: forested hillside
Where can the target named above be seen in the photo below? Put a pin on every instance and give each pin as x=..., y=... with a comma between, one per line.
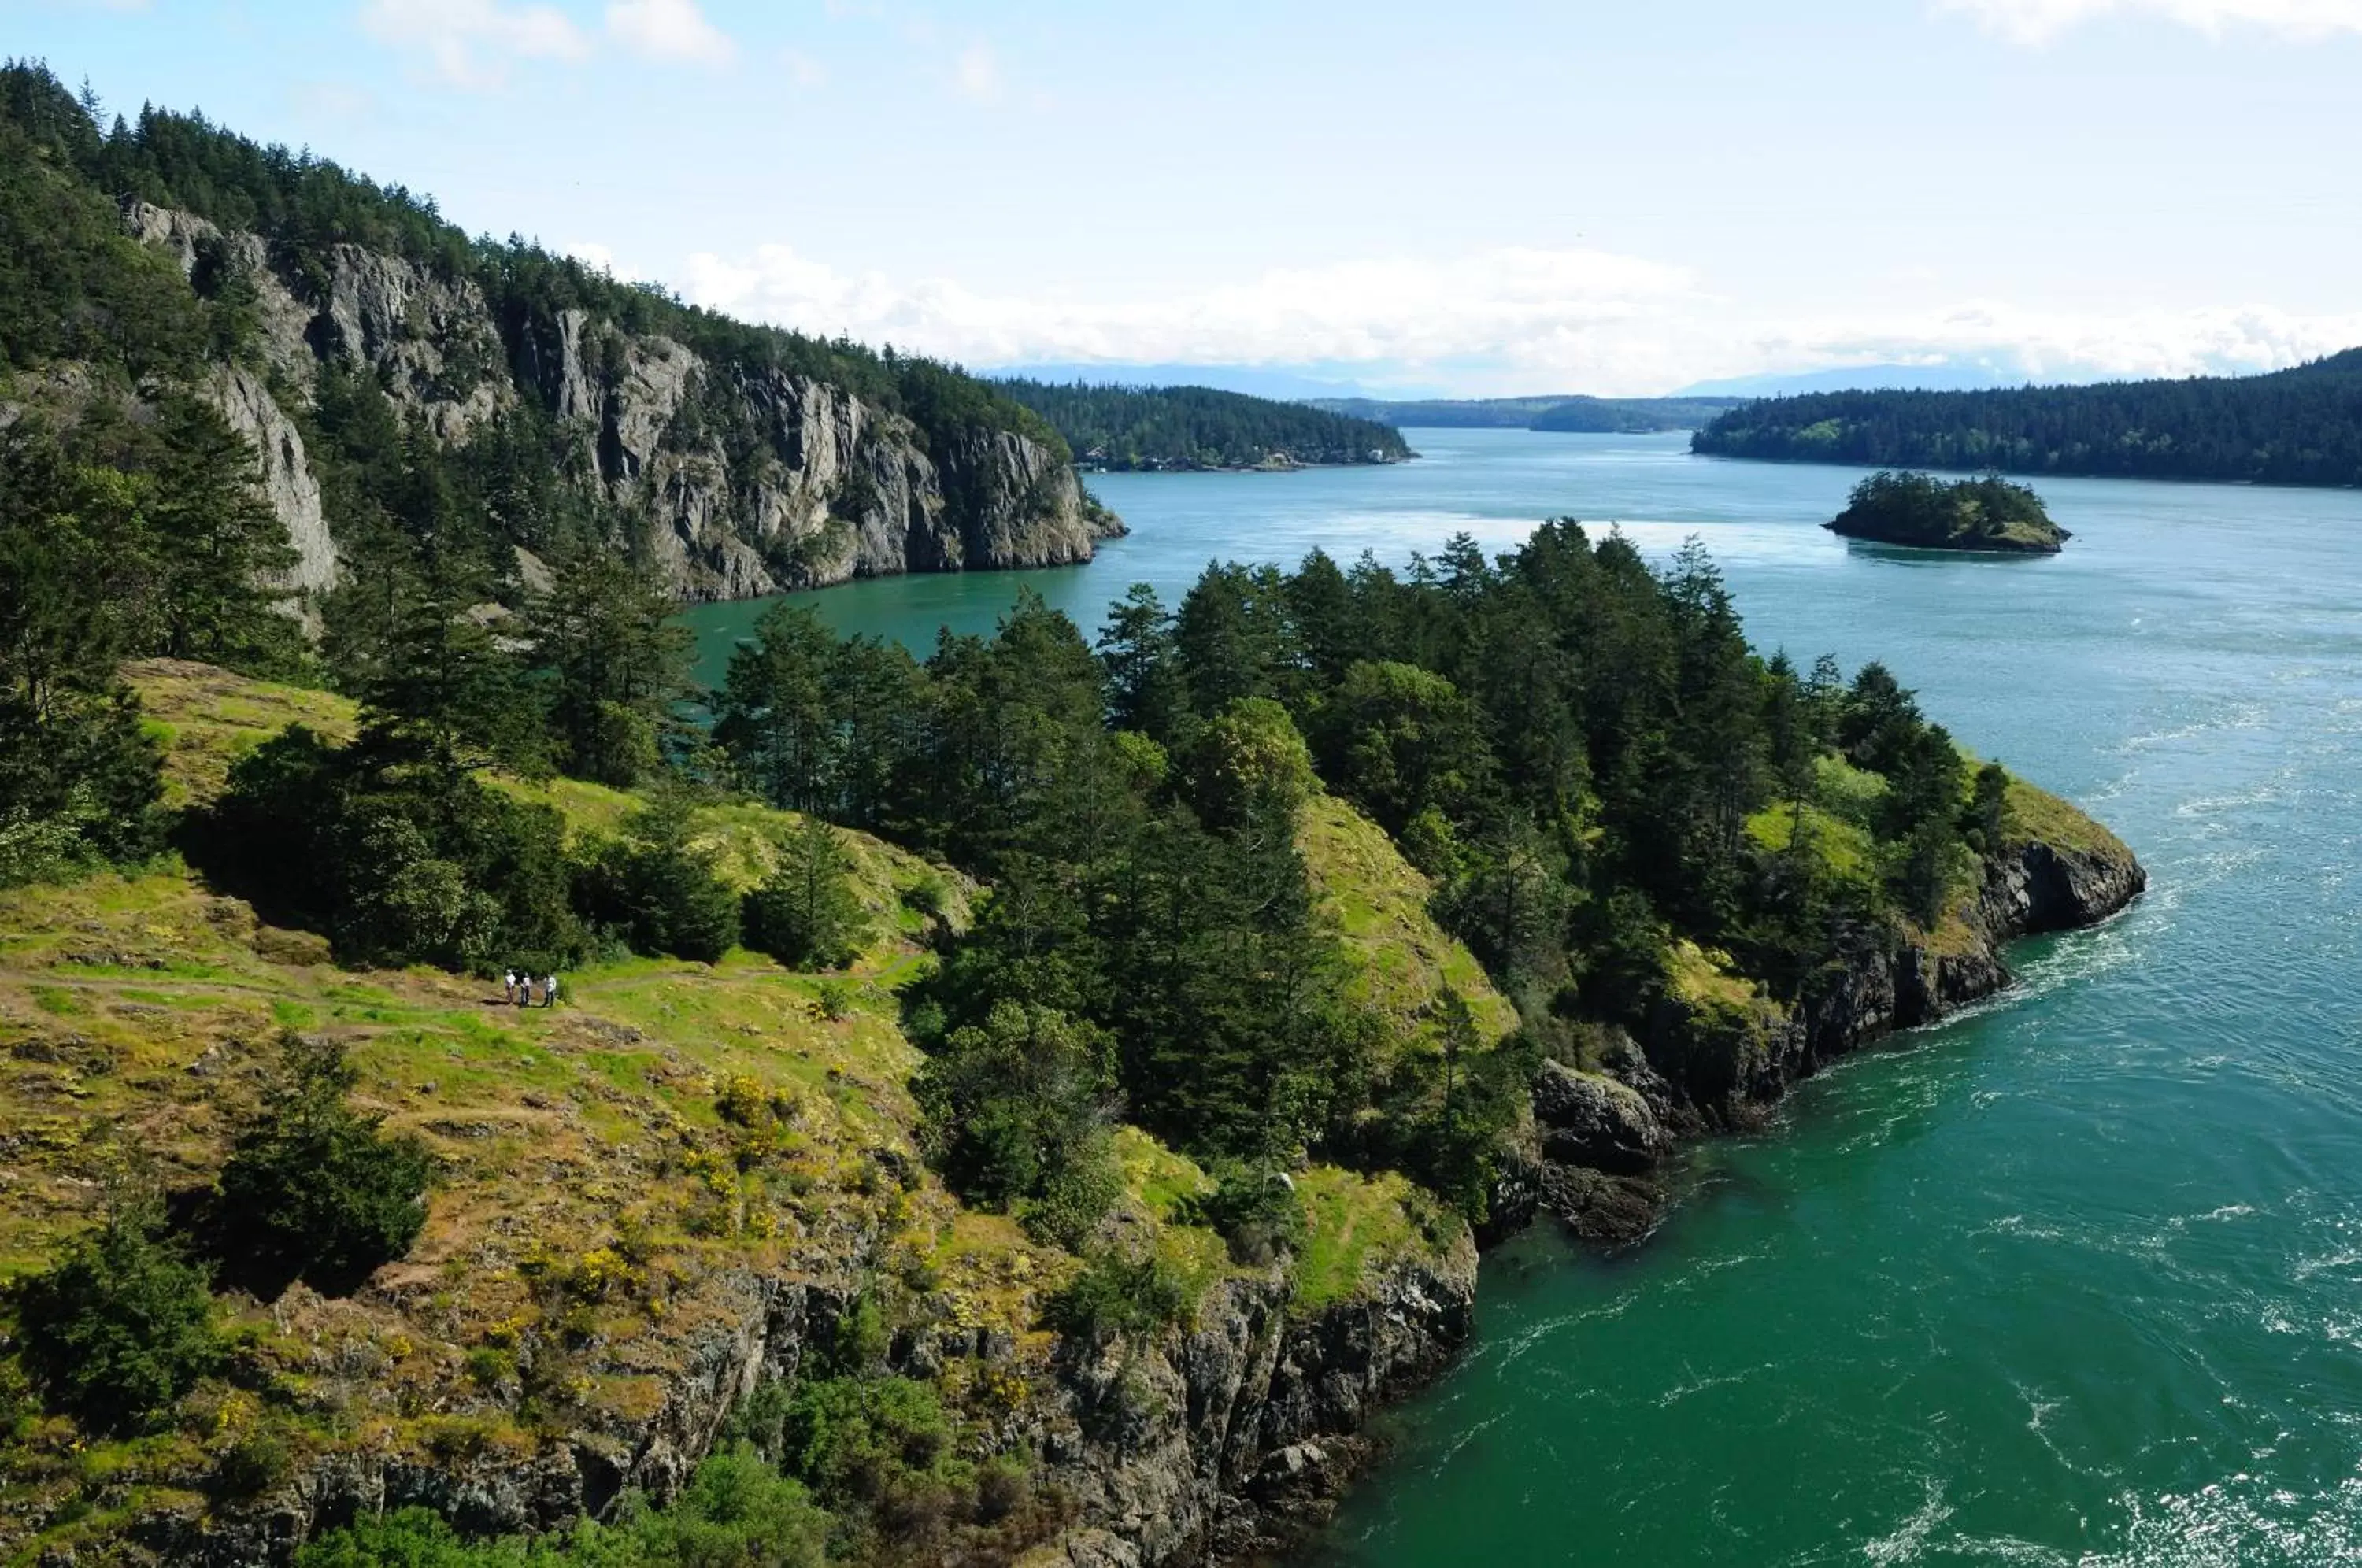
x=1125, y=428
x=2296, y=426
x=1024, y=1101
x=1605, y=415
x=398, y=379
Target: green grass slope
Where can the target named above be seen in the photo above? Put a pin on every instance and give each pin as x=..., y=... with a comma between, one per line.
x=615, y=1170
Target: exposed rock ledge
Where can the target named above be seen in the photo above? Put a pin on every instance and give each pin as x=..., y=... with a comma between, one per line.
x=817, y=487
x=1217, y=1443
x=1601, y=1135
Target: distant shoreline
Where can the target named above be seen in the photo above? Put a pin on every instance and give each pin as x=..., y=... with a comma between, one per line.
x=1284, y=466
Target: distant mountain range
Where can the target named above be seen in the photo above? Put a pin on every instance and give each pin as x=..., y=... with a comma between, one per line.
x=1570, y=412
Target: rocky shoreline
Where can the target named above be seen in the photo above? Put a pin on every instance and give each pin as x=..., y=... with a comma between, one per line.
x=1603, y=1138
x=1278, y=463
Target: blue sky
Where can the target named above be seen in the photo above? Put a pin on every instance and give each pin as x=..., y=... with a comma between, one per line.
x=1486, y=197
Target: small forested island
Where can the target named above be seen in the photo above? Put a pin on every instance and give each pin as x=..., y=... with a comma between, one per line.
x=2301, y=425
x=1124, y=428
x=1988, y=514
x=469, y=1099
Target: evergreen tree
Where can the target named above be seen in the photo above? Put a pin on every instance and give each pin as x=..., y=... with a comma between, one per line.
x=314, y=1189
x=78, y=775
x=446, y=691
x=778, y=712
x=218, y=546
x=1144, y=678
x=806, y=913
x=659, y=889
x=121, y=1326
x=618, y=665
x=1235, y=638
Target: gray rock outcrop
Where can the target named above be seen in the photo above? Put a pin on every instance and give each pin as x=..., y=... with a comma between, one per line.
x=1601, y=1136
x=287, y=482
x=740, y=481
x=1590, y=1120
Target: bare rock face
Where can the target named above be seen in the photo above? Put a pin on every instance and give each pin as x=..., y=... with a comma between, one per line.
x=1591, y=1119
x=430, y=342
x=1230, y=1440
x=828, y=489
x=742, y=482
x=200, y=247
x=287, y=482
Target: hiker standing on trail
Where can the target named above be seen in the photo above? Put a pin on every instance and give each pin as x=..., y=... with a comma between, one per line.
x=549, y=990
x=524, y=991
x=508, y=987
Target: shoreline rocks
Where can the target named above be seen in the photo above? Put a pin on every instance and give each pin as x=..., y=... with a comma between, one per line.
x=1604, y=1135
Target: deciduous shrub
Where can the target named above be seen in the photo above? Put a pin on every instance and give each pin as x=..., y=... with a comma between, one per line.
x=1017, y=1115
x=1120, y=1294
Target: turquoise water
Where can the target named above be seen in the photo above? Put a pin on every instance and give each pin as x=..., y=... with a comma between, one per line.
x=2077, y=1279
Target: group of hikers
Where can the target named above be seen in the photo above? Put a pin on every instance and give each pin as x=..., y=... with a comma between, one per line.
x=521, y=990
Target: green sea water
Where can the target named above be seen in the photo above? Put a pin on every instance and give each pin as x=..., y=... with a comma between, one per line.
x=2074, y=1279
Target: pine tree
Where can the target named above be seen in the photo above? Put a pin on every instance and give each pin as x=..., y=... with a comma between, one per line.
x=617, y=662
x=1144, y=678
x=78, y=775
x=776, y=713
x=218, y=546
x=446, y=691
x=806, y=913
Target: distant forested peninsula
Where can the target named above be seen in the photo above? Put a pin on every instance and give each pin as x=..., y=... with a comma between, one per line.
x=1124, y=428
x=1609, y=416
x=2302, y=425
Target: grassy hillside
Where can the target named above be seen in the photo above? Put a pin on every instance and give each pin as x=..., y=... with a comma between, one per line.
x=1404, y=961
x=618, y=1173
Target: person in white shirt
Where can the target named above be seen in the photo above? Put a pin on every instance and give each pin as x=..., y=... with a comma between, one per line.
x=549, y=990
x=508, y=987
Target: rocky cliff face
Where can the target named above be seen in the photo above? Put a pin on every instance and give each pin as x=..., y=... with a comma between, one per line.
x=1219, y=1442
x=1703, y=1065
x=1228, y=1440
x=739, y=483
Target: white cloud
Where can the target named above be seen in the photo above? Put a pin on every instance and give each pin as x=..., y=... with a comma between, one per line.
x=2039, y=21
x=1493, y=322
x=669, y=29
x=592, y=254
x=801, y=70
x=469, y=43
x=976, y=74
x=2050, y=346
x=1520, y=306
